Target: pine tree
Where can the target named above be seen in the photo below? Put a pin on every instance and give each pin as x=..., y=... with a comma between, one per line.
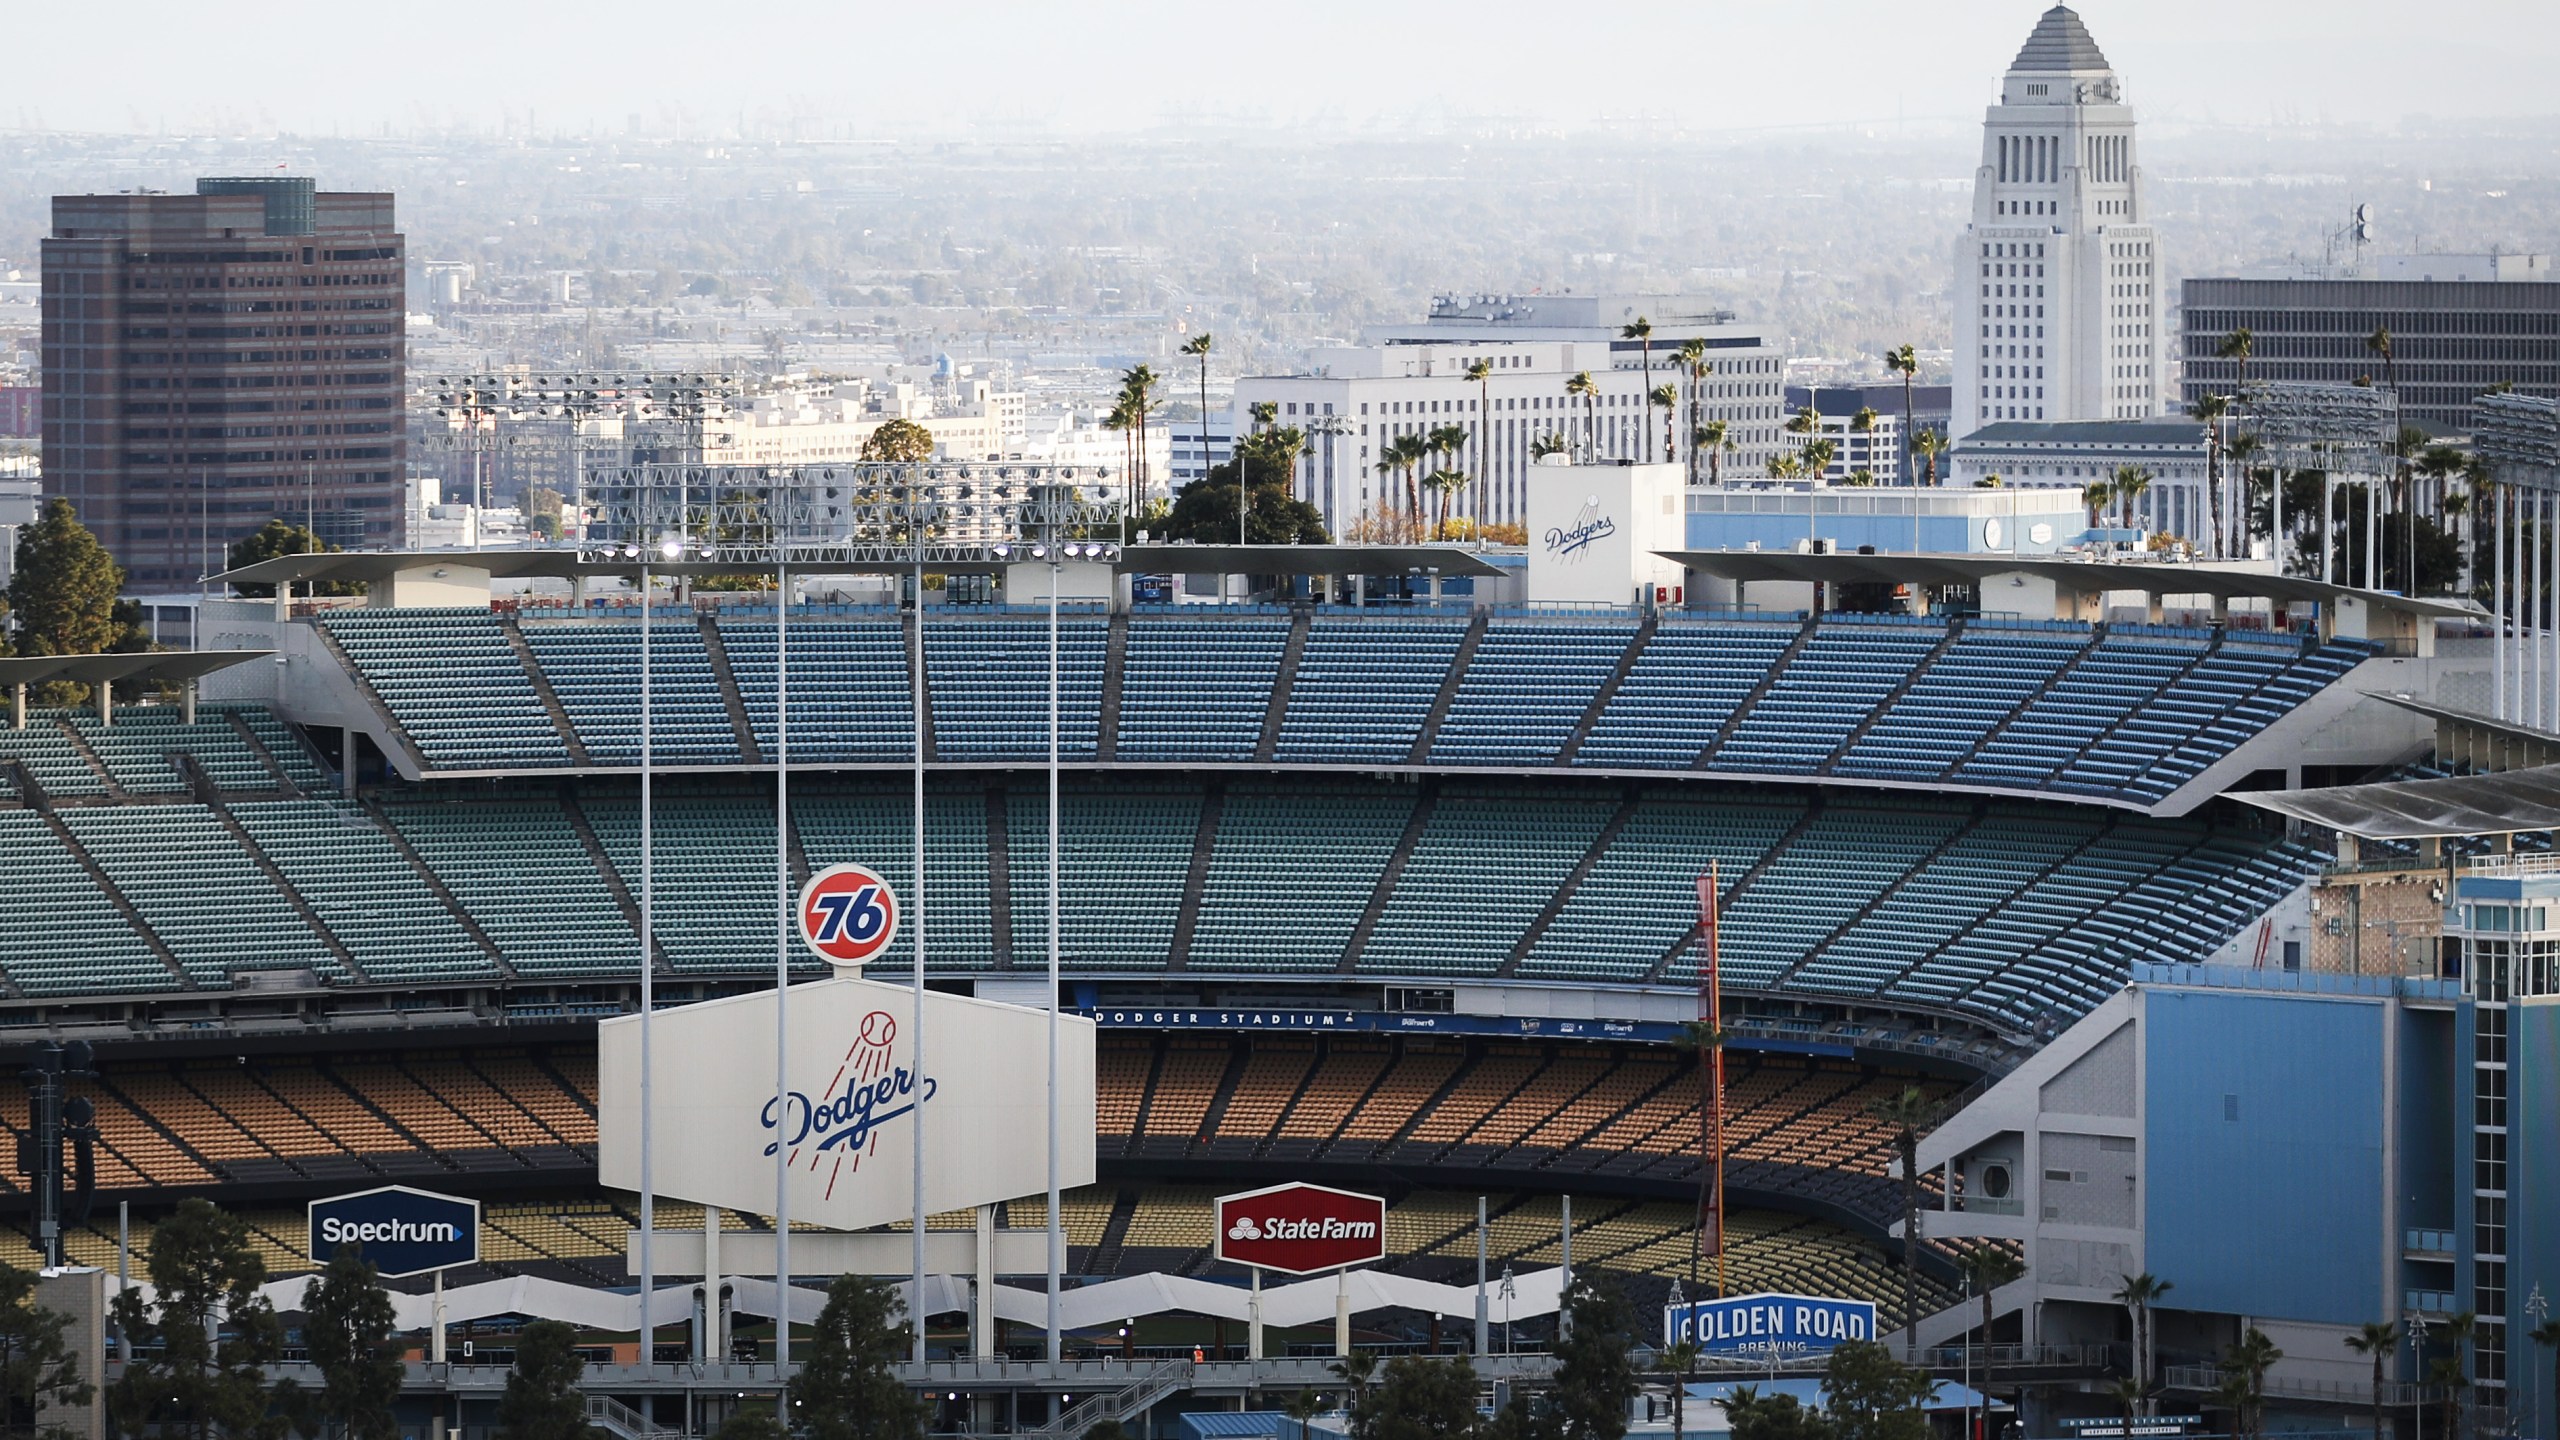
x=542, y=1400
x=63, y=593
x=848, y=1389
x=38, y=1372
x=346, y=1326
x=205, y=1272
x=1595, y=1375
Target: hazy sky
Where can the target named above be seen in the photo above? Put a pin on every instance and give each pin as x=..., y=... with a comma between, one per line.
x=950, y=66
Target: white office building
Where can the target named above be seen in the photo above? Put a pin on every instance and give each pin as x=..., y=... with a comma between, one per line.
x=2057, y=283
x=2071, y=455
x=1412, y=379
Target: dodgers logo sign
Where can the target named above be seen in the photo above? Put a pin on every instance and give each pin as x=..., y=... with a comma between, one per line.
x=848, y=914
x=1588, y=525
x=1301, y=1229
x=839, y=1127
x=402, y=1231
x=1763, y=1324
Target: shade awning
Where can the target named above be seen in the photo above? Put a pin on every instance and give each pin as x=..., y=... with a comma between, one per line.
x=2501, y=804
x=2087, y=576
x=136, y=665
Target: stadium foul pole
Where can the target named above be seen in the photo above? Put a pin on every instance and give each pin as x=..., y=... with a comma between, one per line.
x=915, y=1022
x=1057, y=1227
x=786, y=911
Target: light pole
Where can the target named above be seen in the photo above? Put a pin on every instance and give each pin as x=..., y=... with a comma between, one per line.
x=915, y=1018
x=1509, y=1292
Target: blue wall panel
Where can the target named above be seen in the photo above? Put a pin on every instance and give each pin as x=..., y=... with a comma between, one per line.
x=2263, y=1119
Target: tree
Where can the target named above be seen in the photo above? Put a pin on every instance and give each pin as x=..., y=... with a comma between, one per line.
x=1138, y=392
x=63, y=592
x=1682, y=1361
x=1715, y=438
x=2094, y=498
x=1481, y=372
x=1753, y=1416
x=346, y=1326
x=2236, y=346
x=2128, y=1392
x=541, y=1401
x=2211, y=409
x=1986, y=1268
x=2138, y=1294
x=2130, y=482
x=1580, y=383
x=1668, y=397
x=848, y=1387
x=1642, y=333
x=1418, y=1397
x=1548, y=444
x=2378, y=1341
x=1929, y=445
x=1105, y=1430
x=1301, y=1408
x=1909, y=1112
x=1818, y=455
x=1444, y=484
x=1693, y=359
x=542, y=506
x=750, y=1422
x=899, y=441
x=1595, y=1376
x=1905, y=362
x=1206, y=510
x=1198, y=347
x=279, y=538
x=38, y=1372
x=2244, y=1376
x=205, y=1275
x=1869, y=1395
x=1404, y=455
x=1358, y=1371
x=2455, y=1368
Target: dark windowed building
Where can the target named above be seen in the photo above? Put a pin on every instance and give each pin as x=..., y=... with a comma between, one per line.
x=2460, y=326
x=217, y=360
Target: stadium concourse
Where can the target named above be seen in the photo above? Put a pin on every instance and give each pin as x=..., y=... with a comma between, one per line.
x=1401, y=898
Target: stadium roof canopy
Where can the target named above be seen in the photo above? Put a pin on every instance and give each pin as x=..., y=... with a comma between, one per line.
x=839, y=559
x=137, y=665
x=2426, y=809
x=2088, y=576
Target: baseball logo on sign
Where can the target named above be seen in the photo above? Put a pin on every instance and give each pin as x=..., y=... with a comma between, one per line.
x=848, y=914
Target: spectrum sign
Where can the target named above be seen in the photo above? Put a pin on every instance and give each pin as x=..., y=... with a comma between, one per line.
x=1301, y=1229
x=1767, y=1324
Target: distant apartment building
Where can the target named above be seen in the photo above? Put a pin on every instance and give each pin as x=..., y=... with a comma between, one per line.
x=216, y=360
x=2461, y=325
x=21, y=412
x=1879, y=449
x=828, y=424
x=1411, y=379
x=1199, y=447
x=2057, y=281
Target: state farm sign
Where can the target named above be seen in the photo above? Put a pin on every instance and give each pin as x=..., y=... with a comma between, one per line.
x=1301, y=1229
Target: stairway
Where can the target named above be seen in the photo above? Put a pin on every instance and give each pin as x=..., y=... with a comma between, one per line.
x=1734, y=891
x=612, y=877
x=1203, y=844
x=2069, y=668
x=1394, y=870
x=1877, y=712
x=1743, y=707
x=1115, y=669
x=1282, y=684
x=1537, y=928
x=1448, y=695
x=1609, y=688
x=542, y=691
x=731, y=700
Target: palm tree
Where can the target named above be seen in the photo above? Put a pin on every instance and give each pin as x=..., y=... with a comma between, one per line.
x=2130, y=482
x=1356, y=1371
x=1861, y=477
x=1910, y=1112
x=1198, y=347
x=2139, y=1294
x=1124, y=418
x=1818, y=455
x=2447, y=1372
x=1783, y=466
x=2377, y=1340
x=1548, y=444
x=1929, y=445
x=1444, y=483
x=1864, y=423
x=2211, y=409
x=2248, y=1363
x=1989, y=482
x=2236, y=346
x=1301, y=1408
x=1693, y=359
x=1481, y=372
x=1402, y=456
x=2456, y=1368
x=1642, y=332
x=1580, y=384
x=1807, y=421
x=2128, y=1392
x=1712, y=437
x=1668, y=397
x=1904, y=362
x=1138, y=388
x=2238, y=452
x=1986, y=1268
x=1682, y=1361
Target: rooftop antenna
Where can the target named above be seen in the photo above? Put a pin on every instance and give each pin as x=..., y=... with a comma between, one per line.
x=2353, y=237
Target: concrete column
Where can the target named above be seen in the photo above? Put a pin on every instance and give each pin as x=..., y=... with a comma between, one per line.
x=715, y=1346
x=1342, y=1313
x=187, y=701
x=982, y=1328
x=346, y=761
x=106, y=704
x=18, y=706
x=1253, y=1317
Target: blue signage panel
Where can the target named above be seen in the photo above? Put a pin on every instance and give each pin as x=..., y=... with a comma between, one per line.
x=1765, y=1324
x=402, y=1231
x=1659, y=1032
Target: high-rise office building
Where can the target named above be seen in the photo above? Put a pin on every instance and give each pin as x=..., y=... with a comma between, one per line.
x=2460, y=326
x=216, y=360
x=2057, y=280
